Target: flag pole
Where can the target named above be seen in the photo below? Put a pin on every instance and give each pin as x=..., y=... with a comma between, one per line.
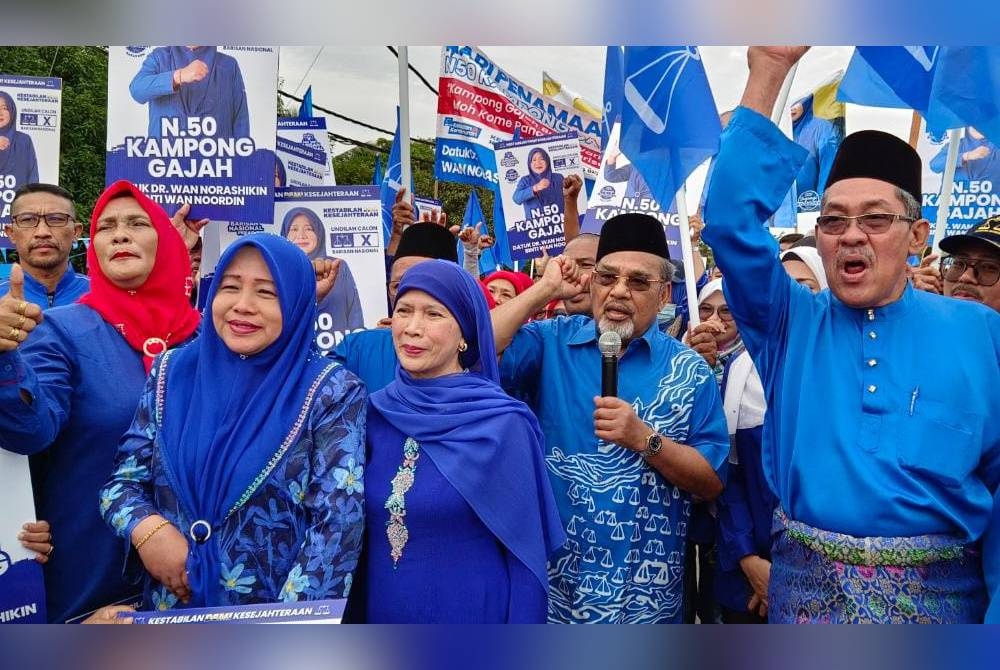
x=404, y=120
x=687, y=256
x=779, y=109
x=947, y=180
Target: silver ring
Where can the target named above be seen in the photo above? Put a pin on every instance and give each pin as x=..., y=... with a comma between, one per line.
x=208, y=531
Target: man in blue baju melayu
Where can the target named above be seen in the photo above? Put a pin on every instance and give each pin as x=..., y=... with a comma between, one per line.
x=881, y=440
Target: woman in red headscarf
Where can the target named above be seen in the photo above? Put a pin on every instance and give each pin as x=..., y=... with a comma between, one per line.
x=69, y=388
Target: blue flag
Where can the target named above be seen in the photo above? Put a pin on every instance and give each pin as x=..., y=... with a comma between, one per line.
x=951, y=87
x=378, y=175
x=614, y=80
x=670, y=124
x=474, y=215
x=391, y=183
x=306, y=108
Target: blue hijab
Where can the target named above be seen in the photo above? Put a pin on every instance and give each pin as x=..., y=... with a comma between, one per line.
x=226, y=415
x=317, y=226
x=464, y=421
x=547, y=173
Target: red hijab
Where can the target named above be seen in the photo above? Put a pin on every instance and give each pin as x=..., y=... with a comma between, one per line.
x=157, y=315
x=521, y=281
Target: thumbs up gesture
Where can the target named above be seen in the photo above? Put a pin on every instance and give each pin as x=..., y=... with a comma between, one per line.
x=18, y=317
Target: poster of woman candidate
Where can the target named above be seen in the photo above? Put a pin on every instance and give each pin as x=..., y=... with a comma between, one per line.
x=343, y=224
x=531, y=173
x=195, y=124
x=975, y=194
x=30, y=112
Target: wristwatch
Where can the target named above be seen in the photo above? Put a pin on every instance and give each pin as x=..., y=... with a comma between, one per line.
x=653, y=445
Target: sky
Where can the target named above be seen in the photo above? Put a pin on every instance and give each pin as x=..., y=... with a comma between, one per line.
x=362, y=82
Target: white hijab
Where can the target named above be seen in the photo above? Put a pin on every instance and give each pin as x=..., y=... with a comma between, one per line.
x=810, y=257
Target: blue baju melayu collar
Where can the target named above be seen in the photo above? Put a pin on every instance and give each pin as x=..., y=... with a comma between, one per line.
x=228, y=418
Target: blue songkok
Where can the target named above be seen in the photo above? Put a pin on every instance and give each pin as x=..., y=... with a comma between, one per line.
x=317, y=226
x=226, y=415
x=463, y=423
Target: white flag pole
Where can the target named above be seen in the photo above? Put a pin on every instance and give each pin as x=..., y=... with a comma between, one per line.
x=687, y=257
x=778, y=112
x=947, y=180
x=404, y=120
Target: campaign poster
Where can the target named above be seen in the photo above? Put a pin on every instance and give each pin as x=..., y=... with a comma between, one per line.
x=479, y=104
x=22, y=590
x=340, y=223
x=432, y=207
x=532, y=172
x=195, y=125
x=620, y=189
x=303, y=151
x=30, y=115
x=975, y=195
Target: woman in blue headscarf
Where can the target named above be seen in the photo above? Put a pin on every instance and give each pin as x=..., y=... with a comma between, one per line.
x=342, y=303
x=17, y=152
x=240, y=479
x=461, y=517
x=540, y=187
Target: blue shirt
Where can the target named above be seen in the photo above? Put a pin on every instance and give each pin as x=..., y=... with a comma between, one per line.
x=69, y=289
x=624, y=560
x=370, y=355
x=85, y=382
x=880, y=422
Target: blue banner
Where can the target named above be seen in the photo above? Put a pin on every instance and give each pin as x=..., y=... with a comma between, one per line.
x=303, y=153
x=195, y=125
x=312, y=611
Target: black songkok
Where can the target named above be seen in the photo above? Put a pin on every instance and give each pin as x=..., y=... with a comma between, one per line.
x=877, y=155
x=428, y=240
x=632, y=232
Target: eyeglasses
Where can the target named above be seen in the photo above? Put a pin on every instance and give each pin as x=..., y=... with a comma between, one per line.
x=632, y=282
x=875, y=223
x=52, y=220
x=706, y=312
x=987, y=272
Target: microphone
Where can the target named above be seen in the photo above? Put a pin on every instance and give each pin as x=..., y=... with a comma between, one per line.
x=610, y=345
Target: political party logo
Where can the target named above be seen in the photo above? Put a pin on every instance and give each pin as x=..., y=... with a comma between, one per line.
x=136, y=50
x=650, y=90
x=606, y=194
x=508, y=160
x=5, y=562
x=566, y=163
x=936, y=138
x=511, y=176
x=808, y=201
x=353, y=240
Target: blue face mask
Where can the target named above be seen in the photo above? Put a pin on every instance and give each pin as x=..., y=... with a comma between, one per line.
x=667, y=314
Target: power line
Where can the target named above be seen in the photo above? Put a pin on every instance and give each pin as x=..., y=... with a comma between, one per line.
x=415, y=71
x=352, y=120
x=309, y=69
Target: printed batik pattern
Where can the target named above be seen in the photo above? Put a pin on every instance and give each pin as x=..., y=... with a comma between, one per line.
x=297, y=536
x=823, y=577
x=623, y=561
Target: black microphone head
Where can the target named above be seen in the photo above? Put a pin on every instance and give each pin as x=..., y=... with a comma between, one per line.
x=610, y=343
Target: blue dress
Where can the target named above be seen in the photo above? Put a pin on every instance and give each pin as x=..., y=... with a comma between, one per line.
x=452, y=568
x=370, y=355
x=297, y=537
x=71, y=430
x=69, y=289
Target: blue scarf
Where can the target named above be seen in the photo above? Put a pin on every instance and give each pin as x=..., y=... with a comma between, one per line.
x=225, y=416
x=317, y=226
x=464, y=423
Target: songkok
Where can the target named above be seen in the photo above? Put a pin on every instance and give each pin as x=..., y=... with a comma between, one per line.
x=985, y=235
x=874, y=154
x=632, y=232
x=428, y=240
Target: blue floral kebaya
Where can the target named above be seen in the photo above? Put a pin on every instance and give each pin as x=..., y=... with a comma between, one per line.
x=265, y=451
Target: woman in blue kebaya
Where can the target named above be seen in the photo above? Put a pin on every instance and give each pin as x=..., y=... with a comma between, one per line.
x=17, y=153
x=343, y=304
x=240, y=480
x=540, y=187
x=460, y=514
